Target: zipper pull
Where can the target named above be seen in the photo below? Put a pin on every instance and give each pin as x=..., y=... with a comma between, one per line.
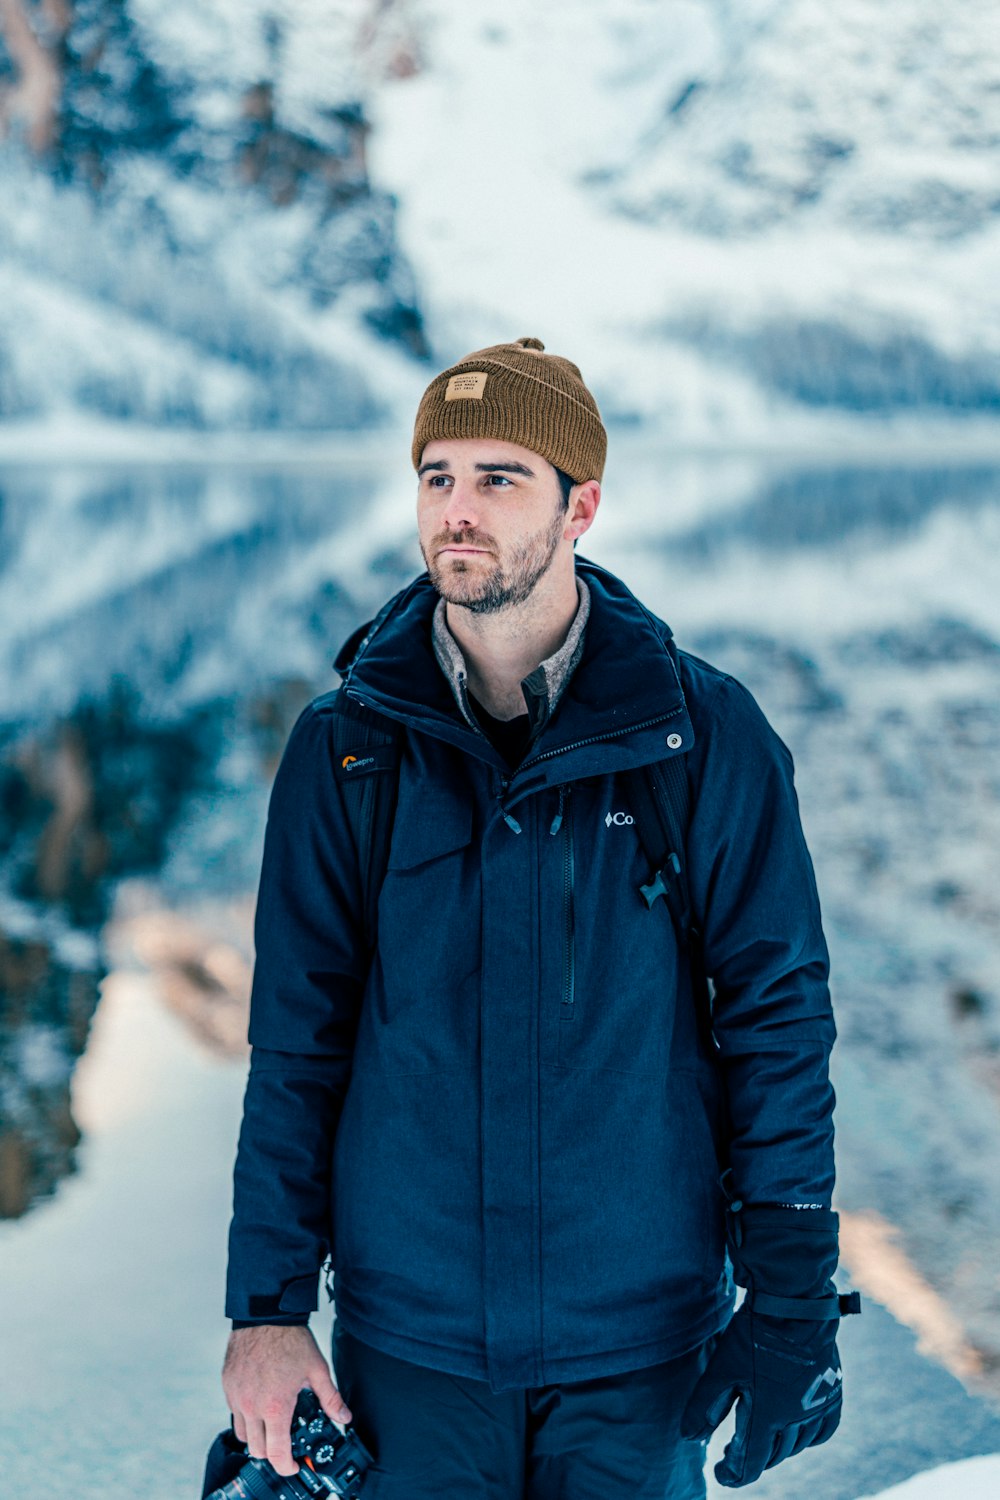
x=557, y=820
x=508, y=818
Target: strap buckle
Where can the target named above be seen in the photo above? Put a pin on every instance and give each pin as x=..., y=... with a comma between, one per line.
x=666, y=882
x=807, y=1309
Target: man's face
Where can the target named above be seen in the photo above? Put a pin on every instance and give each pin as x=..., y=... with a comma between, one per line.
x=490, y=519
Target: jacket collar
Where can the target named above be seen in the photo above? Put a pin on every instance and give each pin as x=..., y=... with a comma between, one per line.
x=615, y=710
x=542, y=688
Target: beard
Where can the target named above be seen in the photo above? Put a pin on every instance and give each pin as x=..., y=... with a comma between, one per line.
x=485, y=585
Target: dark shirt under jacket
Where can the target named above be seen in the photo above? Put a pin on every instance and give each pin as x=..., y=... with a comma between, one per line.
x=509, y=736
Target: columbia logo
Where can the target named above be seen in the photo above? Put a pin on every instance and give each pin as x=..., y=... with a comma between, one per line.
x=618, y=818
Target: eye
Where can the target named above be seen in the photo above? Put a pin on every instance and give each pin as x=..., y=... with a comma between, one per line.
x=436, y=481
x=497, y=479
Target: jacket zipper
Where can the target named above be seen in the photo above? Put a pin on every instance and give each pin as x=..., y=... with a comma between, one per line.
x=567, y=1011
x=593, y=739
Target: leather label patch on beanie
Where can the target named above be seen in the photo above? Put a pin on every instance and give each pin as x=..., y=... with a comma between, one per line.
x=468, y=386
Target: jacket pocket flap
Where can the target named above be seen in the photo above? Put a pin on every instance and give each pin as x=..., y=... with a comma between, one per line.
x=432, y=818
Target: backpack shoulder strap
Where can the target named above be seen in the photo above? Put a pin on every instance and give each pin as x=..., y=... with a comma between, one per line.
x=660, y=798
x=366, y=751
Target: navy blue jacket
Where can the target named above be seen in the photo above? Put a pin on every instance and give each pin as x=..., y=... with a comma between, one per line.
x=505, y=1129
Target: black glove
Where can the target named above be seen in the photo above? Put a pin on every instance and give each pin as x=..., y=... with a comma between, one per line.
x=778, y=1356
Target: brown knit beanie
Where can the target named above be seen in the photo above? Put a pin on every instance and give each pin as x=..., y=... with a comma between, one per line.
x=517, y=394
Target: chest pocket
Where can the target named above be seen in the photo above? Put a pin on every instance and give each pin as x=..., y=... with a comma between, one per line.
x=425, y=981
x=611, y=1005
x=434, y=815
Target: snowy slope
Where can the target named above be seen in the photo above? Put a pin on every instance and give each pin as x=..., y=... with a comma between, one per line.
x=201, y=243
x=741, y=220
x=759, y=223
x=972, y=1478
x=111, y=1294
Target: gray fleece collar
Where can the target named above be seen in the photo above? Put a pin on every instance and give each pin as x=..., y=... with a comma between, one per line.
x=542, y=688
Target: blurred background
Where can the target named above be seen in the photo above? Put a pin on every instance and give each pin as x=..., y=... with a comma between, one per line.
x=237, y=238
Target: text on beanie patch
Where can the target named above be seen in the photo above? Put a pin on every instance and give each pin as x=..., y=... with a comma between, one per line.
x=466, y=387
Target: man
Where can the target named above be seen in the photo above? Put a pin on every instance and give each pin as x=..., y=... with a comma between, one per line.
x=506, y=1127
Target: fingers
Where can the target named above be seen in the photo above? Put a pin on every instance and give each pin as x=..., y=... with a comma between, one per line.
x=256, y=1438
x=742, y=1464
x=790, y=1441
x=804, y=1435
x=327, y=1394
x=268, y=1437
x=828, y=1426
x=265, y=1368
x=736, y=1467
x=277, y=1427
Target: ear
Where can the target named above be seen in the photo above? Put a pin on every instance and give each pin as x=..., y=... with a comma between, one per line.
x=583, y=502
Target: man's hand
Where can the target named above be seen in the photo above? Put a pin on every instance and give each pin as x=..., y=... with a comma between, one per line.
x=786, y=1378
x=264, y=1370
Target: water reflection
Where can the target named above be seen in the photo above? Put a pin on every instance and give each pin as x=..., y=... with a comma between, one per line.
x=159, y=630
x=184, y=585
x=46, y=1006
x=84, y=801
x=870, y=506
x=162, y=632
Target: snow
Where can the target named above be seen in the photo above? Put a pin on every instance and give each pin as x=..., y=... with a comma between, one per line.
x=746, y=223
x=529, y=189
x=111, y=1298
x=972, y=1478
x=108, y=1275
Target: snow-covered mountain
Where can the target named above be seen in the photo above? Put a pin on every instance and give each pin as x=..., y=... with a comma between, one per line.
x=745, y=220
x=767, y=221
x=190, y=234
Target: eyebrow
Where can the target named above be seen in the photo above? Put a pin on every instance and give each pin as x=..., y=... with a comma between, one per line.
x=508, y=468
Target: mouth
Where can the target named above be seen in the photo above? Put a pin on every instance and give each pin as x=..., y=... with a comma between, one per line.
x=464, y=551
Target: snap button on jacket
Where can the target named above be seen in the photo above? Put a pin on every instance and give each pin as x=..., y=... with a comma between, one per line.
x=505, y=1130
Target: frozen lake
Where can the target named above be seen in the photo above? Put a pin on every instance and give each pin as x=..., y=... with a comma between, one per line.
x=860, y=603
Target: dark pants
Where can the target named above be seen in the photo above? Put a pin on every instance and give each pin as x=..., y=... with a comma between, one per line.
x=433, y=1434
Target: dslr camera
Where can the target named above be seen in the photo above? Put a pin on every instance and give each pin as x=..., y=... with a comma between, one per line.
x=330, y=1462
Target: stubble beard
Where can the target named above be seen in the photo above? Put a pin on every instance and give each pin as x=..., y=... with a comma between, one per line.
x=488, y=589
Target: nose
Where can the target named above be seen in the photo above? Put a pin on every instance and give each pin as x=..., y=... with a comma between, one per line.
x=461, y=510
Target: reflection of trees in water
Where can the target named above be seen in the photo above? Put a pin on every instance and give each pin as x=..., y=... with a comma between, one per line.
x=46, y=1005
x=832, y=505
x=95, y=797
x=83, y=803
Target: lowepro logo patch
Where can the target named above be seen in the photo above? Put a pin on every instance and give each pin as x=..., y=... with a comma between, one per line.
x=368, y=758
x=468, y=386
